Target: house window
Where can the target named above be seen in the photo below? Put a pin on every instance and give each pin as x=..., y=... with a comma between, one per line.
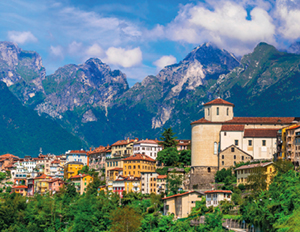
x=208, y=111
x=234, y=157
x=234, y=163
x=232, y=149
x=222, y=156
x=225, y=133
x=264, y=142
x=215, y=148
x=222, y=162
x=250, y=143
x=236, y=142
x=208, y=169
x=242, y=157
x=217, y=110
x=227, y=111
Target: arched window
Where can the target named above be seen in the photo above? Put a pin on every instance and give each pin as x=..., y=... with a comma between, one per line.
x=208, y=169
x=215, y=148
x=227, y=111
x=222, y=156
x=217, y=110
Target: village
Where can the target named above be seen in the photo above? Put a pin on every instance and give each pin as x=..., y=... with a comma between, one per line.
x=219, y=141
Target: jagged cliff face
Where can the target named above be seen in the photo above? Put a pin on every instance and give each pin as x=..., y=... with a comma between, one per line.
x=96, y=104
x=22, y=71
x=92, y=84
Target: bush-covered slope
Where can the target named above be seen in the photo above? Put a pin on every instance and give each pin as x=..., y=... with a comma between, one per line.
x=23, y=132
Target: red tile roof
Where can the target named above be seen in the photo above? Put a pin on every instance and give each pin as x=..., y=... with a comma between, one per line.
x=218, y=191
x=162, y=177
x=122, y=142
x=233, y=128
x=150, y=141
x=78, y=152
x=139, y=157
x=260, y=133
x=183, y=142
x=55, y=162
x=253, y=165
x=250, y=120
x=293, y=127
x=43, y=176
x=8, y=156
x=79, y=176
x=182, y=194
x=19, y=187
x=97, y=150
x=116, y=169
x=218, y=101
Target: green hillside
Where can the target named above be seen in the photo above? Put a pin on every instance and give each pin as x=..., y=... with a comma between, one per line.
x=23, y=132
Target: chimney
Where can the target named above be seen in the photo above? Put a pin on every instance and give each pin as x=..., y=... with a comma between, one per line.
x=127, y=140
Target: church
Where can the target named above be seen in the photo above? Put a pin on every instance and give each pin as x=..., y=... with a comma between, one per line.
x=219, y=140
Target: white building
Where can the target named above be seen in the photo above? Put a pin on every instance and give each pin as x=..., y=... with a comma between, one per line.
x=214, y=197
x=28, y=164
x=147, y=147
x=148, y=182
x=77, y=155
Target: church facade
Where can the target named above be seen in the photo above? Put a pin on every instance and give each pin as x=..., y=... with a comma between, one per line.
x=218, y=133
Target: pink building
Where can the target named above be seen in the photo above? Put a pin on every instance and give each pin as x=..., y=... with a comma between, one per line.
x=56, y=184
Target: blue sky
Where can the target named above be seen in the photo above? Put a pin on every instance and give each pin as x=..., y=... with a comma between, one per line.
x=141, y=37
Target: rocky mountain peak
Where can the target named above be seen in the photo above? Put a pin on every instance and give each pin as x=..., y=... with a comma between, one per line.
x=9, y=53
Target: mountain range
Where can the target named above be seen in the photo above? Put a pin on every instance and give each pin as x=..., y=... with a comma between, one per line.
x=95, y=103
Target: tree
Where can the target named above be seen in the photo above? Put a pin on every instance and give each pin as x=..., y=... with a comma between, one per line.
x=185, y=157
x=174, y=182
x=222, y=174
x=92, y=188
x=257, y=180
x=168, y=138
x=125, y=220
x=2, y=176
x=168, y=156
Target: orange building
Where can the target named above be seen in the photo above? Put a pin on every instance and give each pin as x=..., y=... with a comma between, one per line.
x=137, y=163
x=7, y=160
x=21, y=189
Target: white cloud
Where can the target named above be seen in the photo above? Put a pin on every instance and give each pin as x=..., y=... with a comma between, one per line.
x=226, y=26
x=123, y=57
x=57, y=51
x=164, y=61
x=21, y=37
x=94, y=51
x=290, y=19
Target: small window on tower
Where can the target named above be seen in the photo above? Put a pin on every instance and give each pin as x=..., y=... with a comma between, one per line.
x=236, y=142
x=208, y=169
x=227, y=111
x=217, y=110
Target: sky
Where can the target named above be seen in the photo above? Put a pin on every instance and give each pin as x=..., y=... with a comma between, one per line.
x=140, y=37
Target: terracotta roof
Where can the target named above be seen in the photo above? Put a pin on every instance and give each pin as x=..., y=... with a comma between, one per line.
x=183, y=142
x=19, y=187
x=218, y=101
x=108, y=151
x=182, y=194
x=254, y=165
x=55, y=162
x=97, y=150
x=251, y=120
x=293, y=127
x=116, y=169
x=122, y=142
x=43, y=176
x=218, y=191
x=162, y=177
x=233, y=128
x=260, y=133
x=132, y=178
x=77, y=152
x=139, y=157
x=79, y=176
x=8, y=156
x=74, y=162
x=150, y=141
x=53, y=180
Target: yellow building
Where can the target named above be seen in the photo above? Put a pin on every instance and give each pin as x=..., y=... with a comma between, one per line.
x=132, y=184
x=41, y=184
x=72, y=168
x=134, y=165
x=20, y=189
x=245, y=171
x=81, y=182
x=180, y=205
x=122, y=148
